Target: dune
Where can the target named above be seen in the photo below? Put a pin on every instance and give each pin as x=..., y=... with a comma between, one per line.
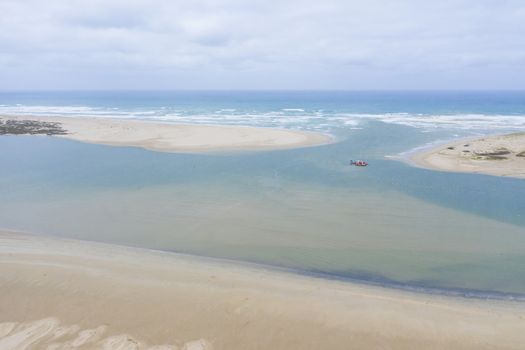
x=500, y=155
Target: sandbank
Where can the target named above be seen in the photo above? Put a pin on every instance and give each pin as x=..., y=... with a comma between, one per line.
x=66, y=294
x=171, y=137
x=500, y=155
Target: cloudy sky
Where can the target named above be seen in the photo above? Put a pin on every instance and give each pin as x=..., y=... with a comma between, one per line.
x=285, y=44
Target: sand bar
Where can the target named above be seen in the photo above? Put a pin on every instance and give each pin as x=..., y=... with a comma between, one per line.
x=68, y=294
x=501, y=155
x=170, y=137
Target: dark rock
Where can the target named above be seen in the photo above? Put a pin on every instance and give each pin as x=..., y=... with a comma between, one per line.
x=30, y=127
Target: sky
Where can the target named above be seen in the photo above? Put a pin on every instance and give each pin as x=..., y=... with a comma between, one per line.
x=285, y=44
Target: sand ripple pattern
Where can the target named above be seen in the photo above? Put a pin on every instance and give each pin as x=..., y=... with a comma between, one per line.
x=50, y=334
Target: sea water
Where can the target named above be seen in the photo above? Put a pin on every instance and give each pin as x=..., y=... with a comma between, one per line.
x=305, y=209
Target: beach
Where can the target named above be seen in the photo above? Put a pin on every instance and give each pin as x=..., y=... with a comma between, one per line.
x=251, y=175
x=500, y=155
x=171, y=137
x=202, y=244
x=60, y=294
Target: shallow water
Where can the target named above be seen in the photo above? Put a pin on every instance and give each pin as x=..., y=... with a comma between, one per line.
x=304, y=209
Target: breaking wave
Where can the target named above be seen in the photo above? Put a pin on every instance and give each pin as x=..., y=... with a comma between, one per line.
x=293, y=118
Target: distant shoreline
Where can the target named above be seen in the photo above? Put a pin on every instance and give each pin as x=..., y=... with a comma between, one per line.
x=167, y=137
x=497, y=155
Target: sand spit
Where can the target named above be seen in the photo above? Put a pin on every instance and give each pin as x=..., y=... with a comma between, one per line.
x=502, y=155
x=65, y=294
x=164, y=137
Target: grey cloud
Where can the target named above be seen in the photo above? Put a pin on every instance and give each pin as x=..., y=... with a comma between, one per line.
x=260, y=44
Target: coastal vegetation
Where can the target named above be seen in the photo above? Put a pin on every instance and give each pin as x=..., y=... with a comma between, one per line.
x=30, y=127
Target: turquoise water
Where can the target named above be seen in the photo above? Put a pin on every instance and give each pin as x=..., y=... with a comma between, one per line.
x=302, y=209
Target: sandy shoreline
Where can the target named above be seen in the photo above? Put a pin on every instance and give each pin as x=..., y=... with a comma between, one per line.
x=170, y=137
x=73, y=294
x=500, y=155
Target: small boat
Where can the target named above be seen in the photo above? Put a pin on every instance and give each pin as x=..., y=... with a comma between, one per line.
x=358, y=163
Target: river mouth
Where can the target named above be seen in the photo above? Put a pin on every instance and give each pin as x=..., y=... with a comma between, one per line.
x=305, y=210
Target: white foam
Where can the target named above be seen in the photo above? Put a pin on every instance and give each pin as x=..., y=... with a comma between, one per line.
x=457, y=121
x=293, y=118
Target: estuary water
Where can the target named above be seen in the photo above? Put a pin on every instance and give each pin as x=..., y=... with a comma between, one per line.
x=306, y=209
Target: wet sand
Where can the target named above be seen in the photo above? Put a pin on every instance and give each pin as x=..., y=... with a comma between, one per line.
x=68, y=294
x=501, y=155
x=170, y=137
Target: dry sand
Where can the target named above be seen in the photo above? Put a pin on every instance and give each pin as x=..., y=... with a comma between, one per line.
x=64, y=294
x=169, y=137
x=502, y=155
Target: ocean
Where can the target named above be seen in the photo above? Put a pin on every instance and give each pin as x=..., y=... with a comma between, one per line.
x=304, y=210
